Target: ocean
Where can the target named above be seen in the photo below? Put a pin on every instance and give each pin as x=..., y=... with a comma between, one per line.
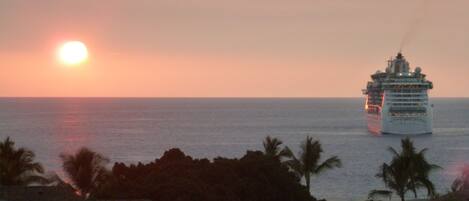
x=141, y=129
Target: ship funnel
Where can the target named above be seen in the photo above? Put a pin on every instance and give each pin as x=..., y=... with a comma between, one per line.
x=399, y=64
x=399, y=55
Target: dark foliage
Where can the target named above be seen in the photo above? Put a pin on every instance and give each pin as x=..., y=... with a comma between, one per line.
x=272, y=148
x=17, y=166
x=85, y=169
x=408, y=171
x=177, y=177
x=308, y=163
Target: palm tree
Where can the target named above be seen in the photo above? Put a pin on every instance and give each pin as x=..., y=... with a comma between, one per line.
x=272, y=148
x=85, y=169
x=17, y=166
x=308, y=164
x=407, y=172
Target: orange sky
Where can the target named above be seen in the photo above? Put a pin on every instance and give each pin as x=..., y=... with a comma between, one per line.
x=220, y=48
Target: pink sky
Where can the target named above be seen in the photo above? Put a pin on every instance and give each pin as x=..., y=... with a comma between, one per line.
x=220, y=48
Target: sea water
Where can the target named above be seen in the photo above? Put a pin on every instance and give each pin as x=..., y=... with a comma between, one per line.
x=141, y=129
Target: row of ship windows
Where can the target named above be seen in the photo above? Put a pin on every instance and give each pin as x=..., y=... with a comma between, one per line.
x=401, y=104
x=407, y=109
x=408, y=99
x=407, y=114
x=399, y=113
x=397, y=99
x=406, y=86
x=408, y=104
x=407, y=95
x=406, y=90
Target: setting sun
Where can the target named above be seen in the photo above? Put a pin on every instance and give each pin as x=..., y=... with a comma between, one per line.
x=73, y=52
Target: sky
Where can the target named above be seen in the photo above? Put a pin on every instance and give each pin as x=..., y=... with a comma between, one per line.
x=221, y=48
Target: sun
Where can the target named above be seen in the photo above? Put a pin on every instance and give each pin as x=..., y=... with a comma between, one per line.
x=73, y=52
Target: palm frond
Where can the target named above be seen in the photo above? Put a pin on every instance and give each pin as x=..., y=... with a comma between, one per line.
x=428, y=185
x=408, y=170
x=286, y=153
x=17, y=166
x=330, y=163
x=435, y=167
x=84, y=168
x=272, y=147
x=296, y=166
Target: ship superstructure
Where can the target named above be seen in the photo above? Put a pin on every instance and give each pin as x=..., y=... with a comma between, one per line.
x=397, y=100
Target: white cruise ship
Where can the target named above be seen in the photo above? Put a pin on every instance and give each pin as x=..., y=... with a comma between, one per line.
x=397, y=100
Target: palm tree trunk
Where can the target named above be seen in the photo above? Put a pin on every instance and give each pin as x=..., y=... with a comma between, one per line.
x=402, y=195
x=308, y=182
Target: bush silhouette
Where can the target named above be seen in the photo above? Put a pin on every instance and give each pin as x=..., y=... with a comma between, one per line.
x=176, y=176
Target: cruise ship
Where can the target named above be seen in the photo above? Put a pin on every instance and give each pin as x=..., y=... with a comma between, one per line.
x=397, y=100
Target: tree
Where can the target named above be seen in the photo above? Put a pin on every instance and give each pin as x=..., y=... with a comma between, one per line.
x=86, y=169
x=17, y=166
x=408, y=171
x=308, y=163
x=272, y=148
x=176, y=176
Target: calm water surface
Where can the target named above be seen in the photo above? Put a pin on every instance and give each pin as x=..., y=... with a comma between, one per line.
x=131, y=130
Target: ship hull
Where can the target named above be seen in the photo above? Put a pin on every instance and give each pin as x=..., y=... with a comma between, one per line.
x=374, y=123
x=384, y=124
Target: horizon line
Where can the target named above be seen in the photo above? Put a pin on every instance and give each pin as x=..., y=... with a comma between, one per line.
x=214, y=97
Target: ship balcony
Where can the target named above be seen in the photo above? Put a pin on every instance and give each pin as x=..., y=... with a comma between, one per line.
x=406, y=83
x=413, y=114
x=409, y=110
x=412, y=98
x=407, y=104
x=407, y=94
x=406, y=100
x=406, y=91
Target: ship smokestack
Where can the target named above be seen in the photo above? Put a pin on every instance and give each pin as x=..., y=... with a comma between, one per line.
x=399, y=65
x=399, y=55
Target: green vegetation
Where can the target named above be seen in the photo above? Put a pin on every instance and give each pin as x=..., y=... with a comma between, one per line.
x=17, y=166
x=408, y=171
